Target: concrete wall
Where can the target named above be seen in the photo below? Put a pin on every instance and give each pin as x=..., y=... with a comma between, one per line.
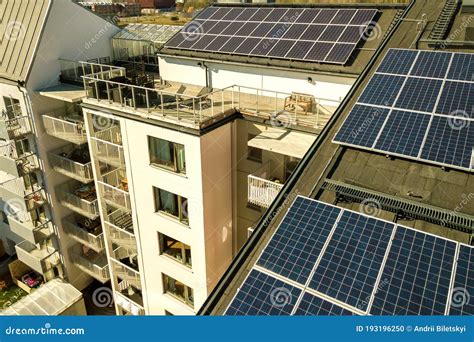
x=331, y=89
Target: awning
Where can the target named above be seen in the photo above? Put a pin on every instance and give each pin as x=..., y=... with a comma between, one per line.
x=51, y=299
x=290, y=143
x=64, y=92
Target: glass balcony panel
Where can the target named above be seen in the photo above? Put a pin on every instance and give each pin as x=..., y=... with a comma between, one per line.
x=73, y=162
x=66, y=127
x=80, y=198
x=41, y=259
x=85, y=231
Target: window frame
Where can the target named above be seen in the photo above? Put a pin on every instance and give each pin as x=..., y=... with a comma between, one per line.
x=174, y=150
x=185, y=260
x=188, y=292
x=180, y=202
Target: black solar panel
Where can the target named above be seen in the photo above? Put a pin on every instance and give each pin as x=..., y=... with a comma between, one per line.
x=314, y=306
x=460, y=298
x=403, y=133
x=450, y=141
x=433, y=113
x=366, y=266
x=351, y=262
x=342, y=29
x=362, y=126
x=299, y=50
x=293, y=250
x=416, y=276
x=262, y=294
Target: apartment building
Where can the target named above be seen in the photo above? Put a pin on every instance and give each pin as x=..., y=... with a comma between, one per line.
x=41, y=129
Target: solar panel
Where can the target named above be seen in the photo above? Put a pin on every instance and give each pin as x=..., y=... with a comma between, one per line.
x=460, y=298
x=262, y=294
x=314, y=306
x=360, y=264
x=362, y=126
x=398, y=127
x=293, y=250
x=341, y=29
x=350, y=265
x=416, y=276
x=431, y=113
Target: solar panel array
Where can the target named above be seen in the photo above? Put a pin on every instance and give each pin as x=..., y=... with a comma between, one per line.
x=325, y=260
x=418, y=105
x=308, y=34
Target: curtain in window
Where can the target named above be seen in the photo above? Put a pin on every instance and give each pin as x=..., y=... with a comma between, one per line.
x=161, y=152
x=181, y=162
x=168, y=202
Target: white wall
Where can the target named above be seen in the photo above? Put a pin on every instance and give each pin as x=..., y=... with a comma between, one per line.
x=221, y=75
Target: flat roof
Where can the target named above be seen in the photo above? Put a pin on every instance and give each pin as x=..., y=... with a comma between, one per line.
x=397, y=178
x=363, y=52
x=64, y=92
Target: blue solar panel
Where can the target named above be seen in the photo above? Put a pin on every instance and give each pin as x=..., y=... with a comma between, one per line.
x=461, y=301
x=351, y=262
x=403, y=133
x=398, y=62
x=457, y=98
x=431, y=64
x=382, y=90
x=462, y=67
x=416, y=277
x=419, y=94
x=450, y=141
x=262, y=294
x=293, y=250
x=314, y=306
x=362, y=126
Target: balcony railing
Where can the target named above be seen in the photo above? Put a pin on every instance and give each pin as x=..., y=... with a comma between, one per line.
x=129, y=305
x=17, y=165
x=261, y=191
x=114, y=189
x=126, y=273
x=11, y=129
x=94, y=264
x=41, y=259
x=33, y=231
x=108, y=152
x=66, y=127
x=79, y=198
x=94, y=238
x=33, y=195
x=72, y=162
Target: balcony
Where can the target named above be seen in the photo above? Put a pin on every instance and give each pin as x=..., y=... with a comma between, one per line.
x=119, y=227
x=41, y=259
x=34, y=195
x=94, y=264
x=34, y=231
x=113, y=189
x=13, y=128
x=80, y=198
x=66, y=127
x=129, y=299
x=125, y=266
x=16, y=164
x=262, y=191
x=107, y=147
x=74, y=162
x=85, y=231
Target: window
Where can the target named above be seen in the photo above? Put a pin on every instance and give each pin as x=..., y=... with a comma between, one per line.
x=12, y=107
x=178, y=290
x=254, y=153
x=175, y=249
x=167, y=154
x=171, y=204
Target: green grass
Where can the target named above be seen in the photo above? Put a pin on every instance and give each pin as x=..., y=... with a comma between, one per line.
x=10, y=296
